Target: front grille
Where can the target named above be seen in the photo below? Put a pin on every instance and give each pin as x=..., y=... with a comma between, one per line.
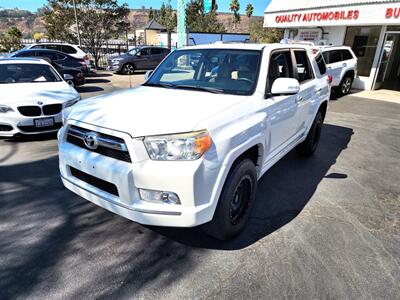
x=52, y=109
x=94, y=181
x=30, y=111
x=101, y=149
x=40, y=129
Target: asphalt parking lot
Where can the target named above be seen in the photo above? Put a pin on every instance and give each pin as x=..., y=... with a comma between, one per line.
x=323, y=227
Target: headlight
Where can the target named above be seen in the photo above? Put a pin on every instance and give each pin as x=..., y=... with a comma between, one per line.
x=5, y=109
x=185, y=146
x=117, y=59
x=65, y=114
x=71, y=102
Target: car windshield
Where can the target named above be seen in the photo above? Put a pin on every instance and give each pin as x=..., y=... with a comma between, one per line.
x=23, y=73
x=226, y=71
x=133, y=51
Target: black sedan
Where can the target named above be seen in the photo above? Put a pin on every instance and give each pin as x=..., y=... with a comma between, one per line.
x=60, y=58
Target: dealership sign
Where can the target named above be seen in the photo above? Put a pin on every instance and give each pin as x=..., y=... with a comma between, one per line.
x=355, y=15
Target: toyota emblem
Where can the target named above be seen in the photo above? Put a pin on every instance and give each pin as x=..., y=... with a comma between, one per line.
x=90, y=140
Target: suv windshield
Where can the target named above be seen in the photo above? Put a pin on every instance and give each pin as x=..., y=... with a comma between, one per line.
x=23, y=73
x=212, y=70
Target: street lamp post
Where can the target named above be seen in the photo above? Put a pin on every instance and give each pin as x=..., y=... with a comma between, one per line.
x=76, y=22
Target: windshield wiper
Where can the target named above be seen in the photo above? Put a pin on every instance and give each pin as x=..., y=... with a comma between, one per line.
x=164, y=85
x=200, y=88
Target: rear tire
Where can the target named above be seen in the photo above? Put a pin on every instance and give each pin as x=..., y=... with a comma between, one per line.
x=128, y=69
x=310, y=144
x=235, y=202
x=345, y=85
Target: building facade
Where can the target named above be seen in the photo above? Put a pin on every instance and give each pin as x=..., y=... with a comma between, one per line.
x=370, y=27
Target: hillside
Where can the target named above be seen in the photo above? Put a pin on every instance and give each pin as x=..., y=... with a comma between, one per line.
x=29, y=22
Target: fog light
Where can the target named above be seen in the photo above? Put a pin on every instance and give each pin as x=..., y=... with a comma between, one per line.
x=159, y=196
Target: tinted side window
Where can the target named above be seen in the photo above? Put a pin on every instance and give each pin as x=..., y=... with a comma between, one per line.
x=155, y=51
x=50, y=55
x=38, y=47
x=145, y=52
x=53, y=47
x=346, y=55
x=165, y=51
x=26, y=54
x=280, y=66
x=68, y=49
x=304, y=70
x=334, y=56
x=321, y=64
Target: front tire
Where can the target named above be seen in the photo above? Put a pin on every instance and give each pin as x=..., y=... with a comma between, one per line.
x=235, y=202
x=128, y=69
x=310, y=144
x=345, y=85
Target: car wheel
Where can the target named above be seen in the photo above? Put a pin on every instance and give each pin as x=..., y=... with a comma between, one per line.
x=345, y=85
x=235, y=202
x=128, y=69
x=308, y=147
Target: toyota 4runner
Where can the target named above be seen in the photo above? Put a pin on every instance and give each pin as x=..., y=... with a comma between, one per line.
x=187, y=147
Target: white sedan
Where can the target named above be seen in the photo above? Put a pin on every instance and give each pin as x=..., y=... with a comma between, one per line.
x=33, y=95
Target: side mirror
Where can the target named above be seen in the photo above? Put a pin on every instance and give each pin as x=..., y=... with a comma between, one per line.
x=285, y=86
x=69, y=79
x=148, y=74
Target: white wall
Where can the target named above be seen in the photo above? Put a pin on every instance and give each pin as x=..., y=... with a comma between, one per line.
x=335, y=35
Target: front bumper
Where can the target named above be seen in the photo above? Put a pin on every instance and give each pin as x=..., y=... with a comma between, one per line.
x=192, y=181
x=113, y=66
x=25, y=125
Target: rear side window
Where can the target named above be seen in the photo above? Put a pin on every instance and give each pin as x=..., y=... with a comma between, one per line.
x=38, y=47
x=53, y=47
x=346, y=55
x=26, y=54
x=280, y=66
x=321, y=64
x=304, y=70
x=68, y=49
x=332, y=57
x=165, y=51
x=50, y=55
x=155, y=51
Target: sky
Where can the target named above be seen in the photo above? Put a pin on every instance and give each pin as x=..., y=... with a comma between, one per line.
x=223, y=5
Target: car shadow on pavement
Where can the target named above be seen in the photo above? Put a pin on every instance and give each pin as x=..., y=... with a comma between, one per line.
x=97, y=80
x=88, y=89
x=282, y=194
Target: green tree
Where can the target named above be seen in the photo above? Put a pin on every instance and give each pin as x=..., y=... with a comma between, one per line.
x=168, y=19
x=99, y=21
x=259, y=34
x=234, y=6
x=151, y=14
x=11, y=39
x=249, y=10
x=198, y=21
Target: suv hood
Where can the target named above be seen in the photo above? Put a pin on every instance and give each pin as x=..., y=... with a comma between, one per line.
x=152, y=110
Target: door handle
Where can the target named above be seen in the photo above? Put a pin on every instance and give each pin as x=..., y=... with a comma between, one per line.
x=299, y=99
x=344, y=65
x=319, y=90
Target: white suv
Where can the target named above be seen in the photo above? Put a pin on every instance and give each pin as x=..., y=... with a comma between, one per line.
x=188, y=146
x=342, y=65
x=69, y=49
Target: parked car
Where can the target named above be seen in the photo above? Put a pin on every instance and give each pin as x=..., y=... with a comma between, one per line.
x=342, y=64
x=33, y=95
x=188, y=146
x=140, y=58
x=76, y=77
x=72, y=50
x=60, y=58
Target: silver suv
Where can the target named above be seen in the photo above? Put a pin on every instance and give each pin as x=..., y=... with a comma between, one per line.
x=342, y=66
